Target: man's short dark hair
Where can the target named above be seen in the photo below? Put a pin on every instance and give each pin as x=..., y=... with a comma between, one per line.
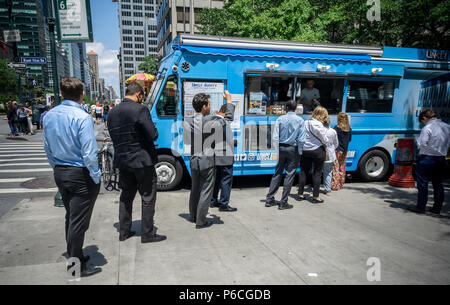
x=427, y=114
x=134, y=88
x=71, y=88
x=200, y=100
x=291, y=105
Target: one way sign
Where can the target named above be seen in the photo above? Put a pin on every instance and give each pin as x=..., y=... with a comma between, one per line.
x=15, y=65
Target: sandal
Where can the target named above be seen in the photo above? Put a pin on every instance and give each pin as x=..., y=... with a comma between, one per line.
x=317, y=201
x=300, y=198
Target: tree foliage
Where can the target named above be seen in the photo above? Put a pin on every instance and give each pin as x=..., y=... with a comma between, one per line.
x=150, y=64
x=421, y=24
x=8, y=80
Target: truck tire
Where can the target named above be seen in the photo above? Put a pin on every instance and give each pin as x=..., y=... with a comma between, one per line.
x=169, y=173
x=374, y=165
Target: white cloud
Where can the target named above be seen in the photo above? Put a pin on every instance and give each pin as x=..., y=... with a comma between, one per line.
x=108, y=64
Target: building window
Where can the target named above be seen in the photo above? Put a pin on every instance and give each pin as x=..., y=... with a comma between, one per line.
x=182, y=14
x=128, y=45
x=136, y=38
x=128, y=58
x=138, y=23
x=130, y=72
x=140, y=53
x=370, y=96
x=138, y=46
x=127, y=65
x=149, y=15
x=126, y=6
x=149, y=8
x=197, y=13
x=137, y=7
x=126, y=13
x=127, y=38
x=149, y=1
x=128, y=52
x=137, y=14
x=138, y=32
x=126, y=22
x=127, y=32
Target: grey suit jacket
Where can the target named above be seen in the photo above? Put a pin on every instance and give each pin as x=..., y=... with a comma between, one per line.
x=201, y=133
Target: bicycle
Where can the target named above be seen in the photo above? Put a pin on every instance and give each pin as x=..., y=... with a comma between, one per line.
x=105, y=160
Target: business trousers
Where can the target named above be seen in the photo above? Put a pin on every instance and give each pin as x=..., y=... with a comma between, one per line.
x=309, y=158
x=287, y=160
x=132, y=180
x=79, y=193
x=201, y=193
x=430, y=168
x=224, y=182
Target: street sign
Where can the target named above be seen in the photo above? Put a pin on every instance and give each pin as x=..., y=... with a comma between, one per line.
x=15, y=65
x=73, y=19
x=33, y=60
x=11, y=35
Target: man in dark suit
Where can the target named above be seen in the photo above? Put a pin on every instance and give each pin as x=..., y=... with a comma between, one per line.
x=133, y=133
x=224, y=160
x=201, y=133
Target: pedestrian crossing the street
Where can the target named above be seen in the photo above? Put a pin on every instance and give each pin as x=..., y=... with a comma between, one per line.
x=21, y=164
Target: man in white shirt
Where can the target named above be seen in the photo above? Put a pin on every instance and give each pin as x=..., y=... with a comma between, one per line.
x=433, y=144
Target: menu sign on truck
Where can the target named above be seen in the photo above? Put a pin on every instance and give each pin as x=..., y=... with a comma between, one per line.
x=73, y=19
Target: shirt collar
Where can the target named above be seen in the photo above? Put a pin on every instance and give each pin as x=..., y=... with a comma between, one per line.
x=432, y=121
x=291, y=113
x=72, y=103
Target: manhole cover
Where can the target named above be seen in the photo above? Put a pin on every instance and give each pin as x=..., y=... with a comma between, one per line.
x=39, y=183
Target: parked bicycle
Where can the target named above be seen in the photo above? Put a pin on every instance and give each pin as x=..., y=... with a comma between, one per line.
x=105, y=159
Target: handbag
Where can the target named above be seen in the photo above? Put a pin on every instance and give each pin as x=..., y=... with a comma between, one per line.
x=327, y=155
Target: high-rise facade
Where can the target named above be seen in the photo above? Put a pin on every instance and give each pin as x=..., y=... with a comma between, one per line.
x=175, y=17
x=137, y=24
x=92, y=60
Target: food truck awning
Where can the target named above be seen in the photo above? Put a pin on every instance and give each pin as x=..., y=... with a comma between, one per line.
x=275, y=54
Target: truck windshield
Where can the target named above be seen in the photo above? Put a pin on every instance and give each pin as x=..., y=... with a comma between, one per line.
x=155, y=88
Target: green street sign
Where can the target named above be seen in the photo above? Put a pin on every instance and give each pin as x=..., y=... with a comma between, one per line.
x=73, y=20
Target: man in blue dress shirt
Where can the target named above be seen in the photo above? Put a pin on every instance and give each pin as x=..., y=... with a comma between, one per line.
x=71, y=149
x=288, y=138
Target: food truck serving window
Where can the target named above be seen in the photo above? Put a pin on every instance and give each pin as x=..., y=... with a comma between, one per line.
x=167, y=104
x=268, y=94
x=370, y=96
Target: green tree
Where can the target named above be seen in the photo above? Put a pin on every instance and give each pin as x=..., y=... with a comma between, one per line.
x=420, y=24
x=150, y=64
x=8, y=80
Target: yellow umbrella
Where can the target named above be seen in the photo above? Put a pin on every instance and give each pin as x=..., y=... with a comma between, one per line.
x=142, y=79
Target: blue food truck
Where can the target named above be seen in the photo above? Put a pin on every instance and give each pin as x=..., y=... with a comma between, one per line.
x=382, y=89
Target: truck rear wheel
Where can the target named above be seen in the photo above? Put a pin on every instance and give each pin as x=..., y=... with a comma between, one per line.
x=169, y=173
x=374, y=165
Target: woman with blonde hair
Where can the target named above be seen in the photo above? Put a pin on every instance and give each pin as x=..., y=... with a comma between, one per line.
x=344, y=133
x=314, y=152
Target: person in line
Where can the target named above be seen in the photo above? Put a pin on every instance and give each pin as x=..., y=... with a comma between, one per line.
x=314, y=152
x=22, y=114
x=309, y=97
x=197, y=131
x=288, y=138
x=433, y=144
x=98, y=113
x=224, y=166
x=133, y=134
x=333, y=143
x=85, y=106
x=344, y=133
x=71, y=148
x=106, y=109
x=29, y=118
x=11, y=116
x=46, y=110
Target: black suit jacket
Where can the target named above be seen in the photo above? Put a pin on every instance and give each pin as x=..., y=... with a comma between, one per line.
x=133, y=134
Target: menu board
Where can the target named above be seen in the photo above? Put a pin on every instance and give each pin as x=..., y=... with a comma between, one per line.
x=213, y=89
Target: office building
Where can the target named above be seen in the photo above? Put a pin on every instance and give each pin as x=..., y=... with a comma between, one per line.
x=175, y=17
x=137, y=24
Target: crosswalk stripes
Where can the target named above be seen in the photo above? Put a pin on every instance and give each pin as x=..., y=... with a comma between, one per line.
x=22, y=162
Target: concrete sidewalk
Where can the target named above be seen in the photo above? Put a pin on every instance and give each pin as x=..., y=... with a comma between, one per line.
x=256, y=245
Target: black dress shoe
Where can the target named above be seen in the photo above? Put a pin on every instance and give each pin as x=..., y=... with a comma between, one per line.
x=226, y=208
x=153, y=238
x=123, y=238
x=285, y=206
x=88, y=271
x=214, y=205
x=207, y=224
x=270, y=203
x=416, y=210
x=432, y=210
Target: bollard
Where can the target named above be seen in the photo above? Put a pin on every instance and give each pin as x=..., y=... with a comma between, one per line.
x=402, y=176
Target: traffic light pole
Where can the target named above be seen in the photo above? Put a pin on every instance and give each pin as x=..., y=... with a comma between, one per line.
x=51, y=22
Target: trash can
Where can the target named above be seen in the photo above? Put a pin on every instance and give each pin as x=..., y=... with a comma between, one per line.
x=402, y=176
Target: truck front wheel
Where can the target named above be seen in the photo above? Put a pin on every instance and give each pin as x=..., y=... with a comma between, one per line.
x=374, y=165
x=169, y=173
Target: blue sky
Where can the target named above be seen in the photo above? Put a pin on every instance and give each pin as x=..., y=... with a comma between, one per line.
x=106, y=43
